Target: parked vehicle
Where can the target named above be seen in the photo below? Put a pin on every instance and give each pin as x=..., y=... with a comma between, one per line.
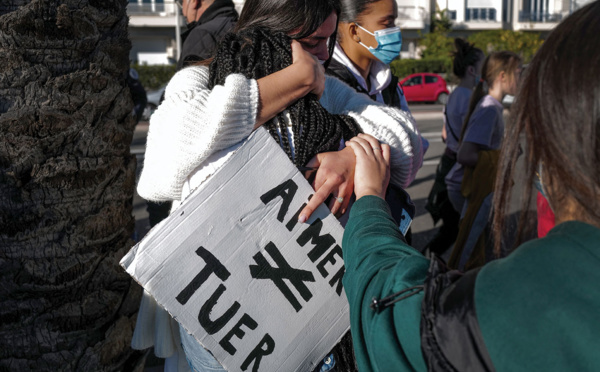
x=425, y=87
x=153, y=102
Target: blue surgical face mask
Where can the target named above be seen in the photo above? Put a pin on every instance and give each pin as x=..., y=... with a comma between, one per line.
x=389, y=43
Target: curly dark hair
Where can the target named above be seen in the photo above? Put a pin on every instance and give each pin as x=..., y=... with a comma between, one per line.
x=256, y=53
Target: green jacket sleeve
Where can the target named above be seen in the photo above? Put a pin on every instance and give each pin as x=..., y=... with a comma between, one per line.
x=379, y=263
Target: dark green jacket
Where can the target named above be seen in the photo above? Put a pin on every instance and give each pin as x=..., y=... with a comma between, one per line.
x=536, y=310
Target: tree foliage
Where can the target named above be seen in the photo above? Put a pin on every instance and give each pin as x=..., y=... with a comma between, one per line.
x=404, y=67
x=154, y=76
x=438, y=45
x=525, y=44
x=440, y=21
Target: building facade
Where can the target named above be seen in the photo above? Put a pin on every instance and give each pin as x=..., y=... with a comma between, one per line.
x=155, y=25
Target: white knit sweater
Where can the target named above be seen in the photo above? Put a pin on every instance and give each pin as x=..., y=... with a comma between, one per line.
x=193, y=122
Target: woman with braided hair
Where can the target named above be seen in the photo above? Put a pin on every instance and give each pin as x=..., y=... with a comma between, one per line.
x=269, y=72
x=257, y=52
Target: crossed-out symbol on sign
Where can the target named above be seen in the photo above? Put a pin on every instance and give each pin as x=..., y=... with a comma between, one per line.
x=264, y=270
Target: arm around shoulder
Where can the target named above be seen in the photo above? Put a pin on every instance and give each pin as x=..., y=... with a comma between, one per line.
x=190, y=124
x=388, y=124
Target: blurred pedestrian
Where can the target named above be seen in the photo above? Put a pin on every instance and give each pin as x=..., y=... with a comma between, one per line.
x=138, y=94
x=470, y=182
x=466, y=65
x=535, y=310
x=207, y=22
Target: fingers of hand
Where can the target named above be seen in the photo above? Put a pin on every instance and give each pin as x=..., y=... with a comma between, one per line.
x=386, y=153
x=371, y=142
x=319, y=197
x=366, y=147
x=322, y=193
x=341, y=199
x=326, y=175
x=296, y=50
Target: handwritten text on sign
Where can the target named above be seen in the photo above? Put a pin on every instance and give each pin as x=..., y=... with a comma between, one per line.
x=232, y=264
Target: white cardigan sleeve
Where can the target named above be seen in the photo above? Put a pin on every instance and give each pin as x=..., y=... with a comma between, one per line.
x=388, y=124
x=190, y=124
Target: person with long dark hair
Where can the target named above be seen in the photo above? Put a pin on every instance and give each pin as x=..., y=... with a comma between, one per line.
x=537, y=308
x=269, y=72
x=466, y=65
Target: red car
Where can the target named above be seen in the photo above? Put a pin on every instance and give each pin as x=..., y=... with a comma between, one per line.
x=425, y=87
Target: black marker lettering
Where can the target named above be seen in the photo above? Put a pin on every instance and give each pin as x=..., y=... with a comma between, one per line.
x=259, y=352
x=321, y=242
x=238, y=332
x=210, y=326
x=212, y=266
x=294, y=220
x=329, y=258
x=337, y=278
x=286, y=190
x=264, y=270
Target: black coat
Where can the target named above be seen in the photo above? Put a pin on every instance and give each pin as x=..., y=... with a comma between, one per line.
x=200, y=42
x=390, y=93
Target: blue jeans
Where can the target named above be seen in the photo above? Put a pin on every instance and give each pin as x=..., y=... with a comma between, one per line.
x=201, y=360
x=198, y=358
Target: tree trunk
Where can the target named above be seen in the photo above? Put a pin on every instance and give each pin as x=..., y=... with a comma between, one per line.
x=66, y=186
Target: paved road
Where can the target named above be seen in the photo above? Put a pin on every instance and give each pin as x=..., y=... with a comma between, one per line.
x=429, y=122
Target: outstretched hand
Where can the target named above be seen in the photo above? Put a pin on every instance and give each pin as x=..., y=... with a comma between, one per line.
x=335, y=176
x=372, y=173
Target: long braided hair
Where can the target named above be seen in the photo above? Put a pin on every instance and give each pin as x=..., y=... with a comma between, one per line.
x=256, y=53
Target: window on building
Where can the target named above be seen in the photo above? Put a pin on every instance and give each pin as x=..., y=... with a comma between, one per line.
x=480, y=14
x=452, y=15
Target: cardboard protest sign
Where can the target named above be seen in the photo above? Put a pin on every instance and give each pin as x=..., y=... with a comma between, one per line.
x=235, y=268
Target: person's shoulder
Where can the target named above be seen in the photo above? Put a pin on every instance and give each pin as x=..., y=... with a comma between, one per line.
x=194, y=71
x=490, y=103
x=541, y=257
x=459, y=99
x=215, y=27
x=540, y=290
x=486, y=108
x=462, y=93
x=335, y=84
x=191, y=76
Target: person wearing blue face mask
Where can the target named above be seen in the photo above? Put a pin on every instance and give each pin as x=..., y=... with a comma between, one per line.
x=368, y=41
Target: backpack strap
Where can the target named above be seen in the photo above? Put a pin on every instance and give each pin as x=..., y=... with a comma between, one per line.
x=390, y=93
x=338, y=70
x=448, y=124
x=451, y=339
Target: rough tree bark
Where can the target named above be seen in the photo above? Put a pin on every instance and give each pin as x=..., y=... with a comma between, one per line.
x=66, y=186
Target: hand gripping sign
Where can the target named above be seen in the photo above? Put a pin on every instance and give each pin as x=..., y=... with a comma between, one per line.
x=232, y=265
